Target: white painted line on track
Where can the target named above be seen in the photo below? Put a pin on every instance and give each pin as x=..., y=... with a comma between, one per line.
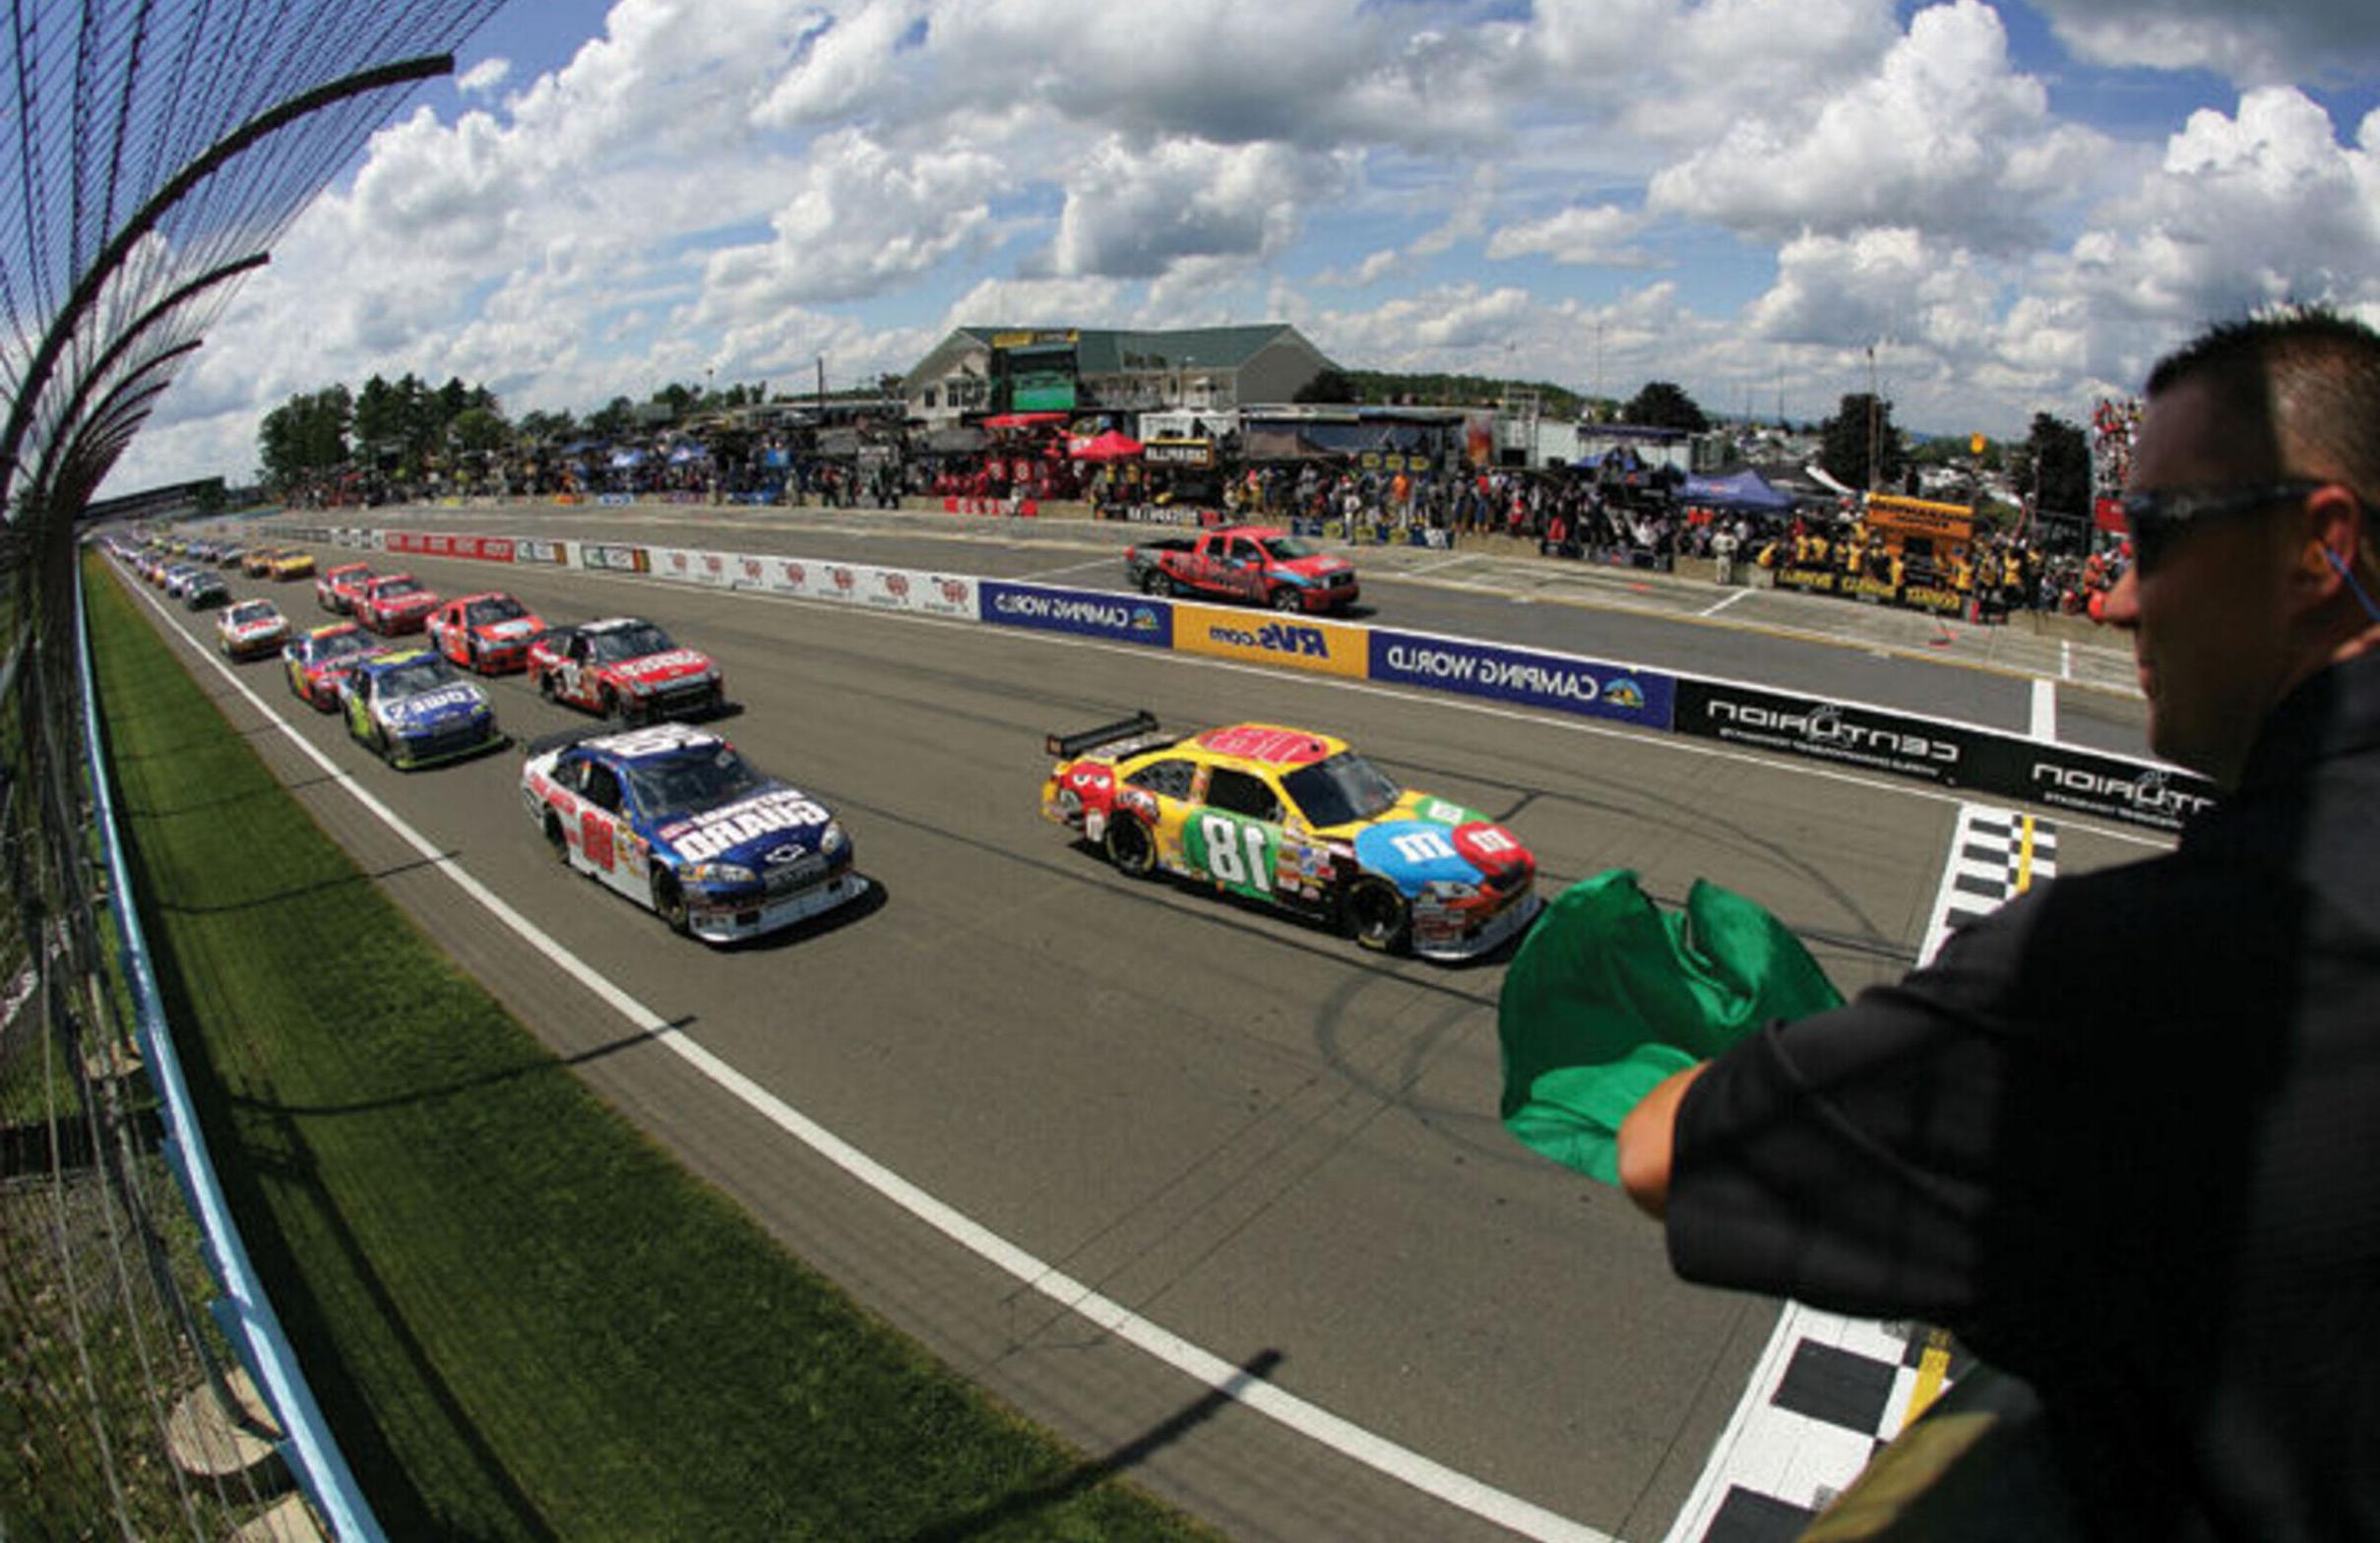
x=2044, y=710
x=1714, y=610
x=1416, y=573
x=2065, y=659
x=1310, y=1420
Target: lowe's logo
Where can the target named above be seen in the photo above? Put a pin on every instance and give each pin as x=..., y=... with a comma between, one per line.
x=1276, y=638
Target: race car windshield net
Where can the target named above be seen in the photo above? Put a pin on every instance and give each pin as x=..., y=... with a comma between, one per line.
x=502, y=610
x=1341, y=788
x=686, y=785
x=630, y=642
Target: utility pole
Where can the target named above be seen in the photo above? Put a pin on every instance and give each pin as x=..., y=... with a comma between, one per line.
x=822, y=380
x=1875, y=427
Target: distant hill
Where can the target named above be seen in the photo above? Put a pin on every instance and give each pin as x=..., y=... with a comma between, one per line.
x=1382, y=387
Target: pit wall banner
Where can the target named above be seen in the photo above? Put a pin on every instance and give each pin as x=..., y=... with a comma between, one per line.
x=1294, y=643
x=608, y=557
x=1560, y=681
x=425, y=543
x=1951, y=754
x=859, y=583
x=1090, y=613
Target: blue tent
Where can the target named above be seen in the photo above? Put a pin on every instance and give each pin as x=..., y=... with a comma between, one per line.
x=1746, y=491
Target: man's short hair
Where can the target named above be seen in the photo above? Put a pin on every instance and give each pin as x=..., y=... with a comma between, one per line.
x=2300, y=387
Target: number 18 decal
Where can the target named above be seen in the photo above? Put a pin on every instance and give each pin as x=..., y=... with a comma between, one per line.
x=1235, y=854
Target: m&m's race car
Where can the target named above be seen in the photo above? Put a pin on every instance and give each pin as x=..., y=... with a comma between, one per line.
x=414, y=709
x=675, y=820
x=489, y=633
x=1297, y=819
x=625, y=668
x=318, y=662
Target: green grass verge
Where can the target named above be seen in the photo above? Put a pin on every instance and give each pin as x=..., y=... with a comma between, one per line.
x=523, y=1317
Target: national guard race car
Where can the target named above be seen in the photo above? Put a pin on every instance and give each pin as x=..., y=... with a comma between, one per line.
x=336, y=588
x=393, y=603
x=674, y=819
x=249, y=629
x=414, y=709
x=489, y=633
x=1297, y=819
x=318, y=663
x=625, y=668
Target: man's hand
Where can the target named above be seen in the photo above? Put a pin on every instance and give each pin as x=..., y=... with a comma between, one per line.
x=1648, y=1138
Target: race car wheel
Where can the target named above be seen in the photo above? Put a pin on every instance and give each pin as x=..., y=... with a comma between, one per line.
x=1131, y=847
x=1285, y=599
x=1377, y=916
x=615, y=709
x=669, y=901
x=1154, y=582
x=545, y=685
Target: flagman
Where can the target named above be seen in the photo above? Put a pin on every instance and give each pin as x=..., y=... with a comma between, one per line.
x=2118, y=1136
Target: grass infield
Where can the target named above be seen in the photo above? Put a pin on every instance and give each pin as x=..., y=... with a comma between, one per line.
x=522, y=1319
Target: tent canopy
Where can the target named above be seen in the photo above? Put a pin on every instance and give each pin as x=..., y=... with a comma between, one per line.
x=1110, y=445
x=1746, y=490
x=1022, y=421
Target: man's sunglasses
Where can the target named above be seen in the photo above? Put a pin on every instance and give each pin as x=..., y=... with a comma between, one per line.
x=2158, y=517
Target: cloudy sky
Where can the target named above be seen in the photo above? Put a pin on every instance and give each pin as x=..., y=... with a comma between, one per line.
x=2017, y=205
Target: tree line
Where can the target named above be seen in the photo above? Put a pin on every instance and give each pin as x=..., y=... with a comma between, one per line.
x=406, y=428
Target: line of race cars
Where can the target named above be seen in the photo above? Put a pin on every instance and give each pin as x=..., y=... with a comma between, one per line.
x=673, y=818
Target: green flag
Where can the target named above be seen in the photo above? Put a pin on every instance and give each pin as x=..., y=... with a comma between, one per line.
x=1609, y=995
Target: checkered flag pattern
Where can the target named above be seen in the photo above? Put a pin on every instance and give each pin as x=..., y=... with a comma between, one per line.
x=1830, y=1391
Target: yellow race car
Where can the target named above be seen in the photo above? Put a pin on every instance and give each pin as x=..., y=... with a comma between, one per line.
x=1298, y=820
x=291, y=563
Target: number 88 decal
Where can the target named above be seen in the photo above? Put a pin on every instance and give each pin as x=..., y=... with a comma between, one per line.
x=1236, y=855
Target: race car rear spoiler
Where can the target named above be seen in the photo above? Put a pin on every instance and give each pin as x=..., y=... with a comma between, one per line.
x=1068, y=746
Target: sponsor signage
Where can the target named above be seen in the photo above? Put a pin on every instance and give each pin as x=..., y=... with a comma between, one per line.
x=1844, y=733
x=2117, y=787
x=487, y=548
x=525, y=551
x=1198, y=453
x=614, y=559
x=1561, y=681
x=1256, y=638
x=1093, y=613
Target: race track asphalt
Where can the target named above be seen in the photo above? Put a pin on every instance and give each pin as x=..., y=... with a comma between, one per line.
x=1233, y=1124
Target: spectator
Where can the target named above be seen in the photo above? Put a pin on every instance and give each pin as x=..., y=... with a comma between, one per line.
x=2117, y=1135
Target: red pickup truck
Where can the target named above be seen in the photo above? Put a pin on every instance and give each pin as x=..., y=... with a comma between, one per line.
x=1256, y=564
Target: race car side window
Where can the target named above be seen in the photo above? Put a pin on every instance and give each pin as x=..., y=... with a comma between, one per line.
x=1166, y=778
x=602, y=787
x=1242, y=794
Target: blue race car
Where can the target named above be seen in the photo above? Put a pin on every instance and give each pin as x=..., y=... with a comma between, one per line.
x=675, y=820
x=412, y=709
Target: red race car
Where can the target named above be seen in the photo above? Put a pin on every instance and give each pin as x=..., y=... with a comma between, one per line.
x=336, y=588
x=625, y=668
x=395, y=603
x=317, y=662
x=489, y=633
